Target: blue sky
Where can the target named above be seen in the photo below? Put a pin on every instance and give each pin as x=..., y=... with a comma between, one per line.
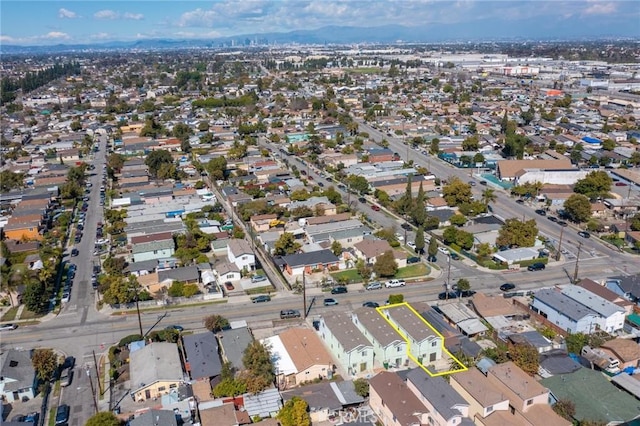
x=44, y=22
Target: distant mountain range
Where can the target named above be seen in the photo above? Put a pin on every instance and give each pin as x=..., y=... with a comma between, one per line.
x=434, y=33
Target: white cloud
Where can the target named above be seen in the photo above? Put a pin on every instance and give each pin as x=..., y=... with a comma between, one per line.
x=600, y=8
x=197, y=18
x=133, y=16
x=100, y=36
x=56, y=35
x=66, y=13
x=106, y=14
x=7, y=39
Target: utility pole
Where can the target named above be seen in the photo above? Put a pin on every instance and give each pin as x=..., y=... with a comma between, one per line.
x=95, y=361
x=560, y=244
x=93, y=390
x=446, y=292
x=304, y=294
x=575, y=273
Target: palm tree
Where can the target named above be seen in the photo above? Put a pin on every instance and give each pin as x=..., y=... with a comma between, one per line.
x=489, y=196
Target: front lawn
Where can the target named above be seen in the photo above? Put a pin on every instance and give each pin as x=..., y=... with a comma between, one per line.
x=411, y=271
x=348, y=276
x=10, y=315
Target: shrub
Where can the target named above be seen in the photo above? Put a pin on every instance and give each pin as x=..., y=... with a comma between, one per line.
x=129, y=339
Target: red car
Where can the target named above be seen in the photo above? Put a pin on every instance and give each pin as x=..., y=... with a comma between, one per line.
x=621, y=184
x=375, y=208
x=229, y=286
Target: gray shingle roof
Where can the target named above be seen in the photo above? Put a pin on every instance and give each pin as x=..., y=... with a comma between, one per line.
x=155, y=418
x=312, y=258
x=17, y=365
x=156, y=361
x=233, y=343
x=345, y=331
x=564, y=304
x=591, y=300
x=186, y=273
x=438, y=392
x=202, y=354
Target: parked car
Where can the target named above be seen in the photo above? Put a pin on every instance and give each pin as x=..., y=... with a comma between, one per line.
x=432, y=259
x=448, y=295
x=258, y=278
x=66, y=377
x=444, y=250
x=621, y=184
x=330, y=302
x=520, y=201
x=563, y=223
x=413, y=259
x=507, y=286
x=371, y=305
x=74, y=252
x=466, y=293
x=5, y=327
x=229, y=286
x=32, y=418
x=374, y=286
x=375, y=207
x=584, y=234
x=261, y=299
x=69, y=362
x=289, y=313
x=395, y=283
x=175, y=327
x=62, y=414
x=411, y=244
x=454, y=255
x=552, y=218
x=399, y=236
x=362, y=199
x=541, y=212
x=339, y=290
x=536, y=267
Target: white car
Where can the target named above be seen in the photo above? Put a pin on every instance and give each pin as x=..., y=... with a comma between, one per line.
x=444, y=250
x=102, y=241
x=399, y=237
x=394, y=283
x=411, y=244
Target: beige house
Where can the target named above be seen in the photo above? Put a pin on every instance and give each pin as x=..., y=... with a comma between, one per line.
x=261, y=223
x=155, y=370
x=369, y=250
x=307, y=354
x=393, y=402
x=483, y=397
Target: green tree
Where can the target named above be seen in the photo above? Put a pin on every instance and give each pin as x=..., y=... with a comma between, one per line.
x=575, y=342
x=457, y=192
x=434, y=146
x=156, y=159
x=75, y=125
x=608, y=144
x=516, y=233
x=151, y=128
x=336, y=247
x=419, y=242
x=115, y=161
x=104, y=418
x=578, y=208
x=359, y=184
x=526, y=357
x=35, y=296
x=285, y=245
x=450, y=235
x=463, y=284
x=362, y=387
x=635, y=222
x=396, y=298
x=257, y=360
x=295, y=412
x=432, y=250
x=217, y=167
x=470, y=143
x=386, y=265
x=489, y=196
x=215, y=323
x=458, y=220
x=45, y=363
x=484, y=251
x=593, y=185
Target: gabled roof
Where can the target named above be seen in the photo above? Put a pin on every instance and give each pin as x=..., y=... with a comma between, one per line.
x=592, y=301
x=305, y=348
x=395, y=394
x=378, y=327
x=345, y=331
x=373, y=248
x=625, y=350
x=185, y=273
x=561, y=303
x=239, y=247
x=202, y=354
x=438, y=392
x=233, y=343
x=312, y=258
x=155, y=418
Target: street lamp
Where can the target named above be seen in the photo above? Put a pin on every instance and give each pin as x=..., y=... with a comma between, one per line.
x=93, y=390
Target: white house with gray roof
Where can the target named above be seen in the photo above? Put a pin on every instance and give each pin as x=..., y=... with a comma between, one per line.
x=388, y=347
x=425, y=344
x=565, y=312
x=346, y=343
x=17, y=376
x=611, y=315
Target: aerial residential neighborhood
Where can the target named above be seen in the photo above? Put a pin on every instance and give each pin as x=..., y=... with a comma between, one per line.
x=391, y=235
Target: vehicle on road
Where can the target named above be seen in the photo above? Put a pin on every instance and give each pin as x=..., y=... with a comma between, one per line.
x=466, y=293
x=541, y=212
x=321, y=185
x=374, y=286
x=375, y=207
x=413, y=259
x=472, y=183
x=507, y=286
x=261, y=299
x=444, y=250
x=536, y=267
x=258, y=278
x=563, y=223
x=362, y=199
x=406, y=226
x=289, y=313
x=339, y=290
x=552, y=218
x=66, y=377
x=520, y=201
x=32, y=418
x=69, y=362
x=448, y=295
x=75, y=252
x=621, y=184
x=330, y=302
x=454, y=255
x=62, y=414
x=483, y=182
x=395, y=283
x=584, y=234
x=371, y=305
x=5, y=327
x=432, y=259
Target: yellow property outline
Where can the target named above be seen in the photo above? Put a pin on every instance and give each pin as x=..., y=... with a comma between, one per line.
x=413, y=358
